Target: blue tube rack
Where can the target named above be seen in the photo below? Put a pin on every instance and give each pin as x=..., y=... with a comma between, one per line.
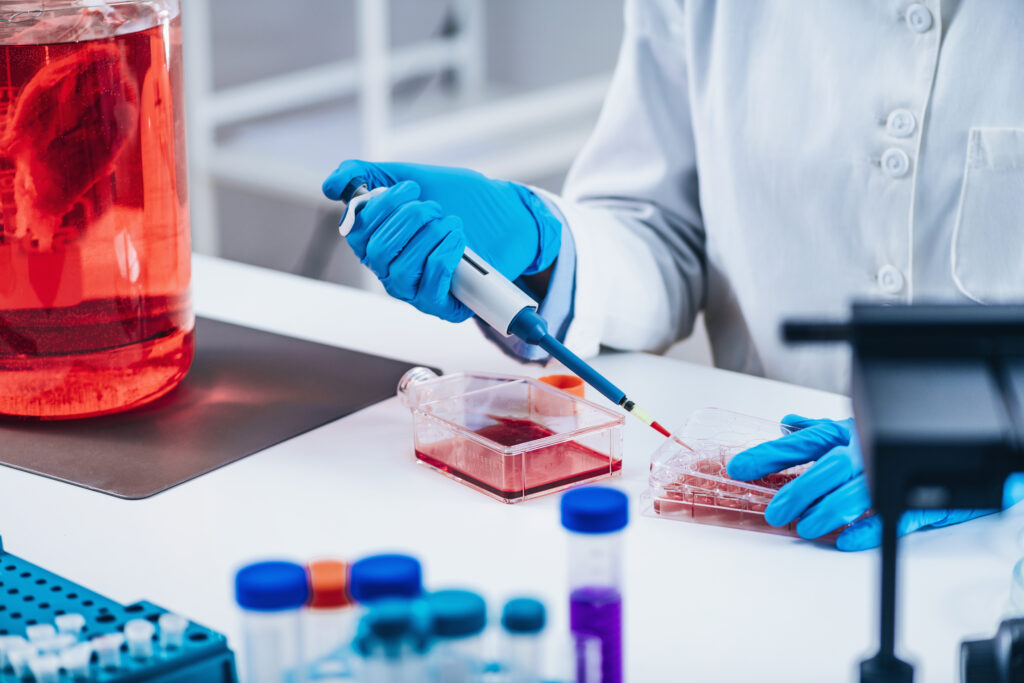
x=32, y=595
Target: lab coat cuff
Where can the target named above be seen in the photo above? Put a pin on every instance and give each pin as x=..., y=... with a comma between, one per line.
x=584, y=332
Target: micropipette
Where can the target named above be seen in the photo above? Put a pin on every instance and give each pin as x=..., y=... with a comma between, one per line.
x=505, y=307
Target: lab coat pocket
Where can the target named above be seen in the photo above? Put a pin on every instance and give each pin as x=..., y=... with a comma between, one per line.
x=988, y=240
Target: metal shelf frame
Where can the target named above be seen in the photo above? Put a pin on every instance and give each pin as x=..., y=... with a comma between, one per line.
x=370, y=77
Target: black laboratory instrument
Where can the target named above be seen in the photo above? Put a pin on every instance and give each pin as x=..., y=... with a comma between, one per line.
x=937, y=392
x=999, y=659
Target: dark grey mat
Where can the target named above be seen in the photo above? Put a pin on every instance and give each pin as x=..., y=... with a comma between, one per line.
x=247, y=391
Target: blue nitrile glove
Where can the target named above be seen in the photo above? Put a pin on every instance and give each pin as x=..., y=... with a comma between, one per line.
x=413, y=235
x=834, y=492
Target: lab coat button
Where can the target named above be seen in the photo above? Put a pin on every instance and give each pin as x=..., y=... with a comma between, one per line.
x=919, y=18
x=895, y=162
x=890, y=279
x=900, y=123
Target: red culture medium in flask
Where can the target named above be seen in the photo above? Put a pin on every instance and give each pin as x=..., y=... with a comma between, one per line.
x=95, y=311
x=547, y=468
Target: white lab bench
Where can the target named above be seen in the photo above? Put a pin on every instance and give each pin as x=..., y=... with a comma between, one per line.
x=703, y=603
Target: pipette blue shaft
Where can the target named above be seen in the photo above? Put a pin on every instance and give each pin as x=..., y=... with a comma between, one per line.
x=533, y=329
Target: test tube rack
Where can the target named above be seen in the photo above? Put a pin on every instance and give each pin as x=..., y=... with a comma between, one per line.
x=31, y=595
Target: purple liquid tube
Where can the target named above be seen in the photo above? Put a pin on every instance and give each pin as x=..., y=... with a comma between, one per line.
x=597, y=612
x=595, y=517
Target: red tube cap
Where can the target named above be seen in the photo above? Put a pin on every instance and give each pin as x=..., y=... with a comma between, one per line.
x=328, y=585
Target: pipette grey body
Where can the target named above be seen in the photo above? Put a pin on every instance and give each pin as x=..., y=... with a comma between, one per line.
x=489, y=294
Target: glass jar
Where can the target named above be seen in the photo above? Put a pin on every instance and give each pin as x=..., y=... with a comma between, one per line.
x=95, y=309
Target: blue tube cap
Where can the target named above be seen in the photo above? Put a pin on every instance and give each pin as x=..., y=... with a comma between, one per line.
x=271, y=586
x=595, y=510
x=457, y=614
x=523, y=615
x=385, y=576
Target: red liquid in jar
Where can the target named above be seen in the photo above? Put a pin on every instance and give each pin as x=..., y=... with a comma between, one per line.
x=95, y=313
x=546, y=469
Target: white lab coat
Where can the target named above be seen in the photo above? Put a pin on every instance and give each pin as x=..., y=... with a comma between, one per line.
x=774, y=158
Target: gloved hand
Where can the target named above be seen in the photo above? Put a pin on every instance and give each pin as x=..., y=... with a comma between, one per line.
x=413, y=235
x=833, y=492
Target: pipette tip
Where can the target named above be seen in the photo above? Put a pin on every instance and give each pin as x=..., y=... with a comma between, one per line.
x=642, y=415
x=661, y=430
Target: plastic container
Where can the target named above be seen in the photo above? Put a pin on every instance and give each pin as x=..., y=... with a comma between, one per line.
x=95, y=311
x=272, y=595
x=329, y=620
x=688, y=479
x=458, y=619
x=512, y=438
x=523, y=621
x=391, y=643
x=595, y=517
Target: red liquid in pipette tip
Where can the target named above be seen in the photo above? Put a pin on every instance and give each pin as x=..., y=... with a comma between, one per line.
x=661, y=430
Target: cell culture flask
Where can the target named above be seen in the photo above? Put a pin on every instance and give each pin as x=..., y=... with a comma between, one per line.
x=512, y=438
x=95, y=310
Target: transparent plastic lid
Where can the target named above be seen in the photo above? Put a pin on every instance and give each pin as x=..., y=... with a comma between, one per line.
x=688, y=478
x=509, y=437
x=506, y=410
x=697, y=456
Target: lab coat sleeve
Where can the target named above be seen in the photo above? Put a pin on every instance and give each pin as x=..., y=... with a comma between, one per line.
x=631, y=199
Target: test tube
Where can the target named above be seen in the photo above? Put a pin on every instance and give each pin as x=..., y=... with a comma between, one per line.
x=45, y=668
x=328, y=623
x=272, y=595
x=523, y=621
x=595, y=517
x=9, y=644
x=577, y=660
x=138, y=634
x=458, y=619
x=72, y=624
x=55, y=644
x=38, y=633
x=108, y=650
x=390, y=642
x=382, y=577
x=75, y=660
x=172, y=631
x=18, y=658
